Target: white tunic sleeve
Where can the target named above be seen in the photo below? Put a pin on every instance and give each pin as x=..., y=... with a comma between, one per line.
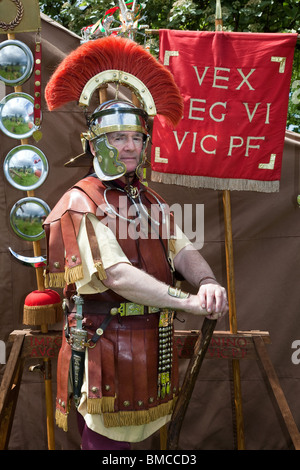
x=110, y=251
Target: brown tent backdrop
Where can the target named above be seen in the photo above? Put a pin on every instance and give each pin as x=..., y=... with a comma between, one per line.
x=266, y=231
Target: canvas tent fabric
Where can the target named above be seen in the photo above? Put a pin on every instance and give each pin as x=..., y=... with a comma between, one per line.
x=266, y=242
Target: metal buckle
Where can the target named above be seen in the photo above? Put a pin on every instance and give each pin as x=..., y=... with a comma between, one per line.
x=89, y=344
x=130, y=308
x=153, y=309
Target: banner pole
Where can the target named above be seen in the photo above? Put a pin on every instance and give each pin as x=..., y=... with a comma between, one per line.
x=44, y=327
x=231, y=287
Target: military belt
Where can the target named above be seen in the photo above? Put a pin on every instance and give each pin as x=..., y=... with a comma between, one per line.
x=125, y=309
x=96, y=307
x=130, y=308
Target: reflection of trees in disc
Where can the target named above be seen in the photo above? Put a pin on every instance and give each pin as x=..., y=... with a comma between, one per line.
x=27, y=218
x=25, y=167
x=16, y=62
x=24, y=177
x=30, y=226
x=17, y=115
x=17, y=125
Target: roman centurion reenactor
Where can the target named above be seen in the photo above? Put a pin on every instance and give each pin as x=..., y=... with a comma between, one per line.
x=114, y=248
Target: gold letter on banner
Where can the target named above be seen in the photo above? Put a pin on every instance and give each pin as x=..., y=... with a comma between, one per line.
x=270, y=165
x=169, y=54
x=158, y=158
x=281, y=61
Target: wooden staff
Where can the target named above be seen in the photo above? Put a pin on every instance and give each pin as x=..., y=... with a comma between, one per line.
x=207, y=329
x=36, y=244
x=190, y=378
x=46, y=368
x=233, y=320
x=231, y=288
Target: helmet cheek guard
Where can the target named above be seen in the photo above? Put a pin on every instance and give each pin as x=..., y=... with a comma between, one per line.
x=106, y=163
x=143, y=157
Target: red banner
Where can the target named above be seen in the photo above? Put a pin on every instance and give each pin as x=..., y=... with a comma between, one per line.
x=236, y=91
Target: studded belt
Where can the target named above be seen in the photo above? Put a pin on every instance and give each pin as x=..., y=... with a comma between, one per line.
x=124, y=309
x=130, y=308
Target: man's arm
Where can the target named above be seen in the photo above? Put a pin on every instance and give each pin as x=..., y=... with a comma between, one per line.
x=193, y=267
x=139, y=287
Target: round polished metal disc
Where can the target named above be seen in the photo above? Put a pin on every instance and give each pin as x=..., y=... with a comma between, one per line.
x=27, y=217
x=17, y=115
x=16, y=62
x=25, y=167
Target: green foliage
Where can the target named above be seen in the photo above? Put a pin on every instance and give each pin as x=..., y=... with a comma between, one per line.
x=238, y=15
x=74, y=14
x=293, y=117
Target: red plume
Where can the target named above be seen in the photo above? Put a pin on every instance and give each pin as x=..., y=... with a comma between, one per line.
x=114, y=53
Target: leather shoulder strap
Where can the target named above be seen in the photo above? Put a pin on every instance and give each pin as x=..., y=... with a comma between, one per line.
x=74, y=201
x=93, y=188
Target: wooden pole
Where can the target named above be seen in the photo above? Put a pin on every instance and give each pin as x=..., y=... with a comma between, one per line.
x=230, y=278
x=103, y=93
x=44, y=327
x=36, y=244
x=233, y=320
x=49, y=403
x=231, y=288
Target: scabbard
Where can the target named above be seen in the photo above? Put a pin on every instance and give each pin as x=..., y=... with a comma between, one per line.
x=78, y=358
x=79, y=344
x=78, y=341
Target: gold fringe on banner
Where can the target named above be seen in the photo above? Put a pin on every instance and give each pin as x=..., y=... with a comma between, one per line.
x=220, y=184
x=42, y=314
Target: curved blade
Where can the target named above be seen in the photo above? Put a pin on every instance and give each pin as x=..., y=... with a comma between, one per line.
x=28, y=260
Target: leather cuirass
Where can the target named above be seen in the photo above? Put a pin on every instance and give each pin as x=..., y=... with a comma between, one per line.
x=146, y=243
x=127, y=363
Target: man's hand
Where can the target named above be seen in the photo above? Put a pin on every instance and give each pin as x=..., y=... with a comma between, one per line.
x=213, y=298
x=210, y=296
x=137, y=286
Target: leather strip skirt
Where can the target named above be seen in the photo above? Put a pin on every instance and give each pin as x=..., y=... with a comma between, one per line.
x=132, y=373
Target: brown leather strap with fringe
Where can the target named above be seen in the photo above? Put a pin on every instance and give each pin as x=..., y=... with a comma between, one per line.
x=95, y=249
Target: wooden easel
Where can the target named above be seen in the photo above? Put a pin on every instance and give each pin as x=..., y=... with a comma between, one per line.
x=251, y=345
x=42, y=348
x=256, y=343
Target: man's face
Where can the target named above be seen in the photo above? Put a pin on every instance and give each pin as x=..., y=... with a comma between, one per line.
x=129, y=144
